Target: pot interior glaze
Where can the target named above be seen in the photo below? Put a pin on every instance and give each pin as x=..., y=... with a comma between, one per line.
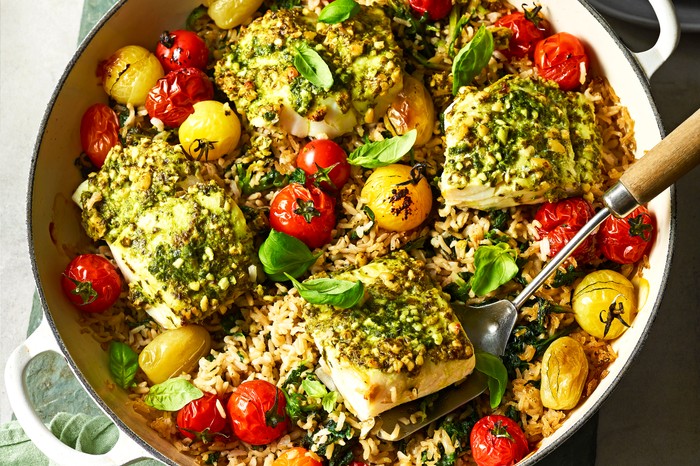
x=55, y=233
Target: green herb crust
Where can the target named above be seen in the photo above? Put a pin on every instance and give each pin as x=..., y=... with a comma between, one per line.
x=404, y=319
x=184, y=240
x=258, y=72
x=518, y=141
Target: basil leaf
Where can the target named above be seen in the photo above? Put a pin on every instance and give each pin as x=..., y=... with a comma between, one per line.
x=471, y=59
x=495, y=265
x=493, y=367
x=338, y=11
x=172, y=395
x=314, y=388
x=381, y=153
x=311, y=66
x=282, y=253
x=329, y=400
x=123, y=363
x=338, y=293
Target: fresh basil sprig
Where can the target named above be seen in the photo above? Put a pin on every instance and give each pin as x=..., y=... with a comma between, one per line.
x=339, y=11
x=316, y=389
x=493, y=367
x=471, y=59
x=172, y=395
x=494, y=266
x=339, y=293
x=311, y=66
x=123, y=363
x=381, y=153
x=282, y=254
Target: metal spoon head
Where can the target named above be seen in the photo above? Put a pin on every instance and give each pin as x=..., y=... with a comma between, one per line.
x=488, y=326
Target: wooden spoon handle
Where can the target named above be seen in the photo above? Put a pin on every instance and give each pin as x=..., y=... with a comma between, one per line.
x=666, y=162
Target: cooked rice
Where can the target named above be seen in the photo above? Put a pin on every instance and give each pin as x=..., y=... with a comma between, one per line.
x=270, y=341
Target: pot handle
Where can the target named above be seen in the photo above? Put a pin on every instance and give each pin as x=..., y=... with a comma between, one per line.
x=669, y=35
x=42, y=340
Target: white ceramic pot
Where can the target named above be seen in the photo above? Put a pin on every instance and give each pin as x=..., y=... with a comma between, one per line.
x=139, y=22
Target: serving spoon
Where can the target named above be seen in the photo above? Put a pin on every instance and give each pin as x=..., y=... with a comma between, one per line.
x=489, y=326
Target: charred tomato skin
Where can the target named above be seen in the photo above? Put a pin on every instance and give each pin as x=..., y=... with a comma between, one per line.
x=307, y=214
x=91, y=283
x=497, y=441
x=99, y=132
x=526, y=32
x=256, y=411
x=173, y=97
x=181, y=49
x=562, y=58
x=560, y=221
x=626, y=240
x=202, y=419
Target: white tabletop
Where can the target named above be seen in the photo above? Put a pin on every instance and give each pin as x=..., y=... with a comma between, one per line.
x=651, y=418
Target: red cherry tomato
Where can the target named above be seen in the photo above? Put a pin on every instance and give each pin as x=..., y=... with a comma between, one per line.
x=257, y=413
x=561, y=220
x=527, y=27
x=91, y=283
x=562, y=58
x=171, y=100
x=304, y=213
x=625, y=240
x=298, y=456
x=204, y=419
x=436, y=9
x=497, y=441
x=327, y=161
x=182, y=49
x=99, y=132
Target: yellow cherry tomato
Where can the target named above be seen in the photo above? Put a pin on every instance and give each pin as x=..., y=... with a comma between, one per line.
x=231, y=13
x=129, y=73
x=399, y=199
x=212, y=131
x=412, y=109
x=564, y=372
x=604, y=304
x=173, y=352
x=298, y=456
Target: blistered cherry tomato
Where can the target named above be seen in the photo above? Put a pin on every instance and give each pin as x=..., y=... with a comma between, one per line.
x=304, y=213
x=91, y=282
x=173, y=97
x=203, y=419
x=625, y=240
x=498, y=441
x=562, y=58
x=327, y=162
x=436, y=9
x=527, y=29
x=182, y=49
x=298, y=456
x=560, y=221
x=257, y=413
x=129, y=73
x=99, y=132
